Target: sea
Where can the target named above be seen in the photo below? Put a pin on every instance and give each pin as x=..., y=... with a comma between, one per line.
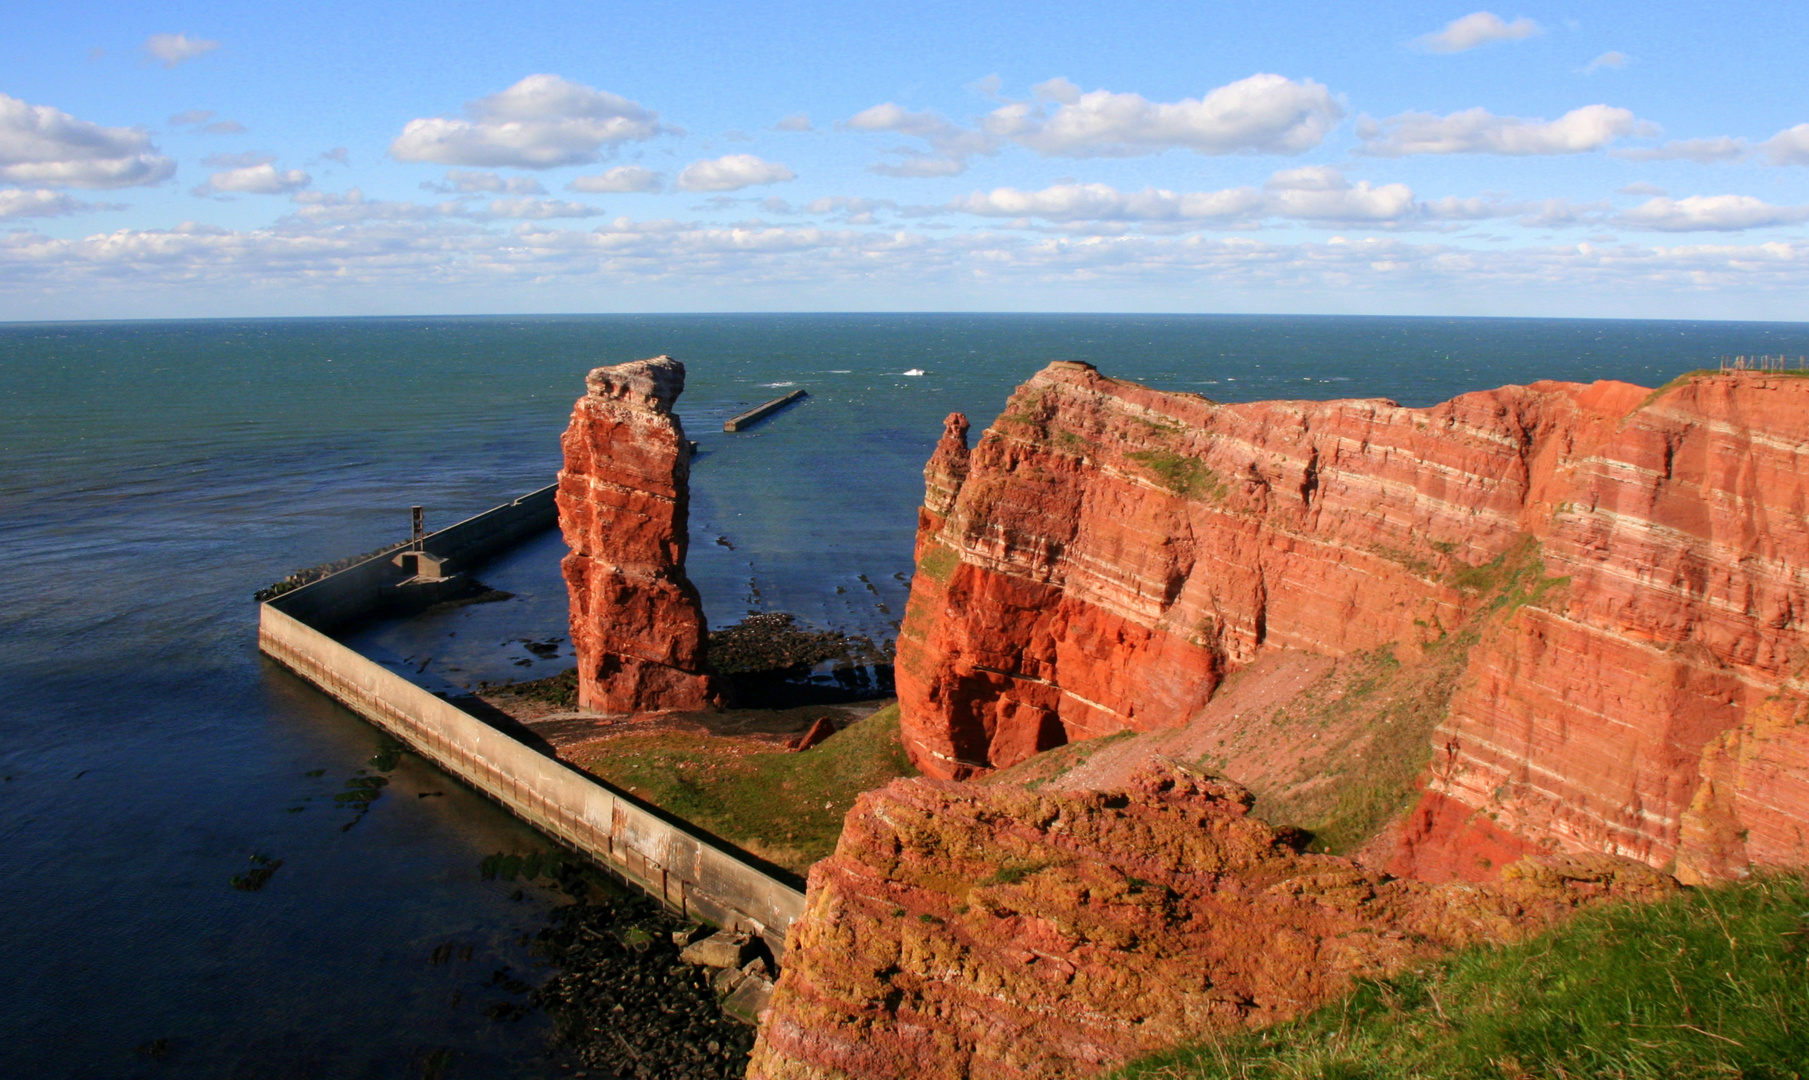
x=153, y=475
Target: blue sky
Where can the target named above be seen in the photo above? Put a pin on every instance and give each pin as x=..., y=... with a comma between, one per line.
x=196, y=159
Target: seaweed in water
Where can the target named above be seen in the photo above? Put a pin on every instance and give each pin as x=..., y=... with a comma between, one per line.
x=360, y=793
x=388, y=755
x=435, y=1063
x=550, y=864
x=263, y=867
x=774, y=642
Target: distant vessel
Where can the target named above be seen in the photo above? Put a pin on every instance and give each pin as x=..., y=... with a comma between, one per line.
x=916, y=371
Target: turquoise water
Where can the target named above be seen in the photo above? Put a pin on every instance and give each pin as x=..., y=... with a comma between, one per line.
x=155, y=474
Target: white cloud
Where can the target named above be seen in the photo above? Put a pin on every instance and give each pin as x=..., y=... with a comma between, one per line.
x=987, y=86
x=1316, y=194
x=240, y=160
x=43, y=145
x=470, y=182
x=1641, y=188
x=1711, y=213
x=173, y=49
x=1267, y=114
x=542, y=122
x=19, y=203
x=339, y=155
x=323, y=208
x=1101, y=202
x=263, y=179
x=621, y=180
x=1478, y=131
x=849, y=209
x=542, y=209
x=1321, y=193
x=1562, y=214
x=1476, y=30
x=915, y=165
x=1788, y=147
x=1701, y=151
x=1609, y=61
x=951, y=146
x=794, y=122
x=347, y=257
x=198, y=120
x=732, y=173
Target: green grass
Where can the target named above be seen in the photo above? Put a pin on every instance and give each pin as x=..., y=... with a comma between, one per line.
x=1516, y=577
x=785, y=807
x=1186, y=476
x=559, y=691
x=1713, y=983
x=1688, y=376
x=939, y=564
x=1377, y=717
x=1032, y=773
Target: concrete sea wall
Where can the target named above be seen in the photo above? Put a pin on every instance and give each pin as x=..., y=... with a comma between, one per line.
x=687, y=871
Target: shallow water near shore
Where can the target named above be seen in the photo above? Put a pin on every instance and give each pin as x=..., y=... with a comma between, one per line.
x=156, y=474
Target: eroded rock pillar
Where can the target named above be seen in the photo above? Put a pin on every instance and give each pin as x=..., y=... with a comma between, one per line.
x=637, y=624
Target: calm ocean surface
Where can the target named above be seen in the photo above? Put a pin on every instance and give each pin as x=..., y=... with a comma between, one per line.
x=152, y=475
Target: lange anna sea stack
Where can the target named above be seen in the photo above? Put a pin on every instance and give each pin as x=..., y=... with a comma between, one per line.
x=624, y=496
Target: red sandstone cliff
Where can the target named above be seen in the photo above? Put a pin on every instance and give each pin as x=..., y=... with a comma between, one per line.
x=1655, y=706
x=1107, y=553
x=637, y=624
x=963, y=932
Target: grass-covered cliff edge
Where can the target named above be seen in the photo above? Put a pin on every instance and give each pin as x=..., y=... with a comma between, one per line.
x=1711, y=983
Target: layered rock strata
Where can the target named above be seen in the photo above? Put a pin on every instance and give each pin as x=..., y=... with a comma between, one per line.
x=1107, y=553
x=1654, y=705
x=637, y=624
x=963, y=932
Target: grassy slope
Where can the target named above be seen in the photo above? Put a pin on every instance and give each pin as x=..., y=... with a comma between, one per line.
x=1712, y=983
x=1378, y=716
x=786, y=807
x=1368, y=723
x=1342, y=757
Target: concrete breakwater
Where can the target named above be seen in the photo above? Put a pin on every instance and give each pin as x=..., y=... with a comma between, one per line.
x=687, y=871
x=761, y=411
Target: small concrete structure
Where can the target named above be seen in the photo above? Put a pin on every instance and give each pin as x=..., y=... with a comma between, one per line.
x=689, y=872
x=761, y=412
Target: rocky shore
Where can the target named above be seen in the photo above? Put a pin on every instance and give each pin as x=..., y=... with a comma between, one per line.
x=626, y=1003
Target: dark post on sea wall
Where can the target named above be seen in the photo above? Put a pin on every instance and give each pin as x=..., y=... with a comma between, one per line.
x=624, y=498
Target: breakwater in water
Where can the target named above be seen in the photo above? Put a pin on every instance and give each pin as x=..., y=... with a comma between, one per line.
x=688, y=872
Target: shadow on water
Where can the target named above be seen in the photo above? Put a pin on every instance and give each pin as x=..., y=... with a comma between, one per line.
x=795, y=687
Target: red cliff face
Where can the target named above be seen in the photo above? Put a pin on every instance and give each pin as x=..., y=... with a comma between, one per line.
x=637, y=624
x=1107, y=553
x=1654, y=706
x=963, y=932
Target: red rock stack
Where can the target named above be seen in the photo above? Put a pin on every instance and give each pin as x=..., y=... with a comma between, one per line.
x=637, y=624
